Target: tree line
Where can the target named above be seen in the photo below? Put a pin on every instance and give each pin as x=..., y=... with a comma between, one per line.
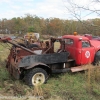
x=49, y=26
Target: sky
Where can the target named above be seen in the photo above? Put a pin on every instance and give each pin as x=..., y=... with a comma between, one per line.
x=63, y=9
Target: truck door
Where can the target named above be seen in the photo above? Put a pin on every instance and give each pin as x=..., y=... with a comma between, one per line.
x=69, y=46
x=87, y=52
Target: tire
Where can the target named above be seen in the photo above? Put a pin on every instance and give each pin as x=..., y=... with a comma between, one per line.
x=97, y=58
x=36, y=76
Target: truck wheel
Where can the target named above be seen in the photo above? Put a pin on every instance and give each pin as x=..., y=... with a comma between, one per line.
x=97, y=58
x=36, y=76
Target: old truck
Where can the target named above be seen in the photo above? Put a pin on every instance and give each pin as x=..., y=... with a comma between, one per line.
x=31, y=37
x=36, y=64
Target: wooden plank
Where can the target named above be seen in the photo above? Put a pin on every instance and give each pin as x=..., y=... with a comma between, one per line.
x=81, y=68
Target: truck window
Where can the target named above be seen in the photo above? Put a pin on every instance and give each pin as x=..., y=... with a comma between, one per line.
x=85, y=44
x=69, y=41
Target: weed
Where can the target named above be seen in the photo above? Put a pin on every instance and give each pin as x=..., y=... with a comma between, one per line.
x=4, y=75
x=93, y=80
x=38, y=91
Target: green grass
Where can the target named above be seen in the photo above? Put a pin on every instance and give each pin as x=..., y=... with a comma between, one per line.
x=68, y=86
x=72, y=87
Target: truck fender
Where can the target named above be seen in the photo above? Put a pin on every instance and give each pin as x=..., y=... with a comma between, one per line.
x=36, y=64
x=40, y=65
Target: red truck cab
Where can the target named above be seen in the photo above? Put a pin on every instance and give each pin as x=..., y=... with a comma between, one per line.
x=81, y=49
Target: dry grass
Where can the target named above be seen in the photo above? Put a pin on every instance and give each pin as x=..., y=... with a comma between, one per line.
x=38, y=91
x=56, y=46
x=93, y=79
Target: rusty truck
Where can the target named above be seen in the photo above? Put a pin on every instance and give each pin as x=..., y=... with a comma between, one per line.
x=37, y=63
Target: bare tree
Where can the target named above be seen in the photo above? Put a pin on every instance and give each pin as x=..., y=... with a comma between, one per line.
x=81, y=11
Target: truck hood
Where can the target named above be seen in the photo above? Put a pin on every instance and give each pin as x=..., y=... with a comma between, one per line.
x=95, y=44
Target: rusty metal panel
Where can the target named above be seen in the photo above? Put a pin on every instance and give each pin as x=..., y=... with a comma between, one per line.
x=44, y=58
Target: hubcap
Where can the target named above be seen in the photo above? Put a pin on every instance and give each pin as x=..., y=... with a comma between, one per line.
x=38, y=79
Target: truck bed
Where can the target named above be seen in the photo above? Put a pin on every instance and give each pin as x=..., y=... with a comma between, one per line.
x=52, y=58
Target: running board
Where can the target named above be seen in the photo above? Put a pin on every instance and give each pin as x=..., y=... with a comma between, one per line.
x=81, y=68
x=75, y=69
x=61, y=70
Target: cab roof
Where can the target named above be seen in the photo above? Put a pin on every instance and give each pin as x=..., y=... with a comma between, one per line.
x=76, y=37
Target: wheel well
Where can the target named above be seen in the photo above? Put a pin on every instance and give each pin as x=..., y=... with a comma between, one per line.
x=47, y=69
x=98, y=50
x=96, y=54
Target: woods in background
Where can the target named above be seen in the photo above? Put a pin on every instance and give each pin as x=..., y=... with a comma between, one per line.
x=49, y=26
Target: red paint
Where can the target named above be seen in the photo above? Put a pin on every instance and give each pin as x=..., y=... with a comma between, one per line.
x=81, y=55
